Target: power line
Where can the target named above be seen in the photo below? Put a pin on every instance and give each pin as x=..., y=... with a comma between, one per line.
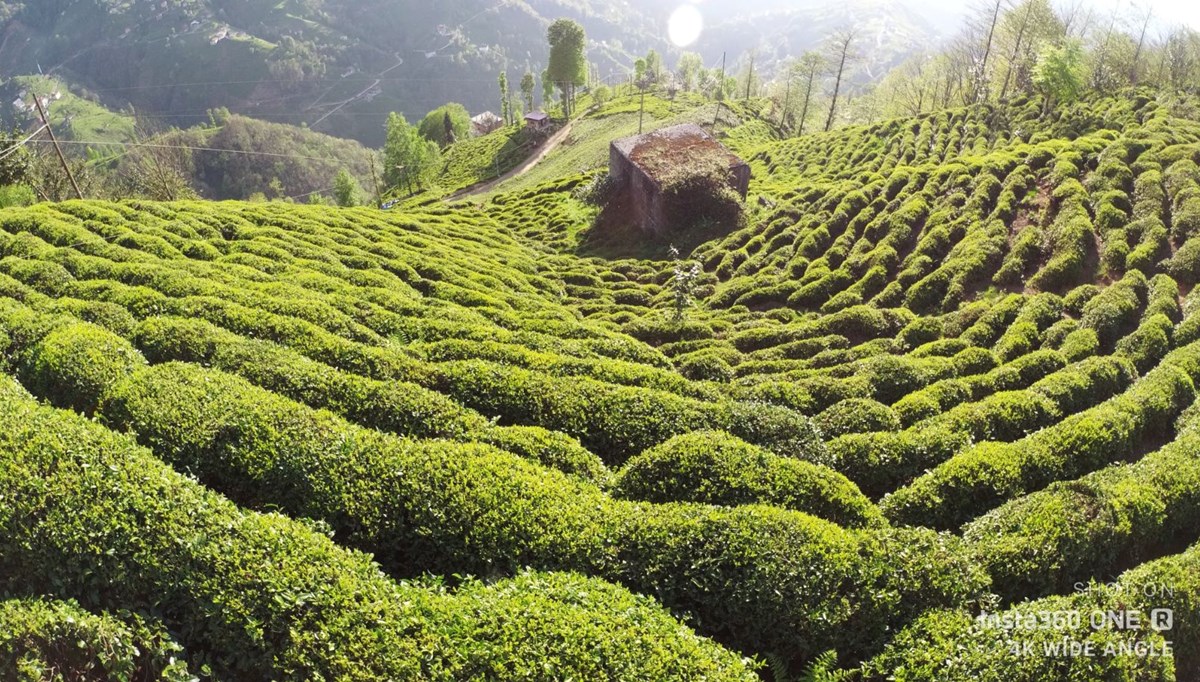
x=13, y=149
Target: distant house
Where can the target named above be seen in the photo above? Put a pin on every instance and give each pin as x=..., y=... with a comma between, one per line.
x=537, y=120
x=485, y=123
x=639, y=165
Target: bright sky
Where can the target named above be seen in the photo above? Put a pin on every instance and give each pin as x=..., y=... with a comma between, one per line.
x=1167, y=12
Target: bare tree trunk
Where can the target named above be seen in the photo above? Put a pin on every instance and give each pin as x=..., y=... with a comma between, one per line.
x=842, y=41
x=981, y=76
x=1016, y=49
x=1137, y=54
x=1098, y=74
x=812, y=75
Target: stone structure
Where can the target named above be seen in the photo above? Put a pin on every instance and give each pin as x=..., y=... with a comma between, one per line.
x=640, y=164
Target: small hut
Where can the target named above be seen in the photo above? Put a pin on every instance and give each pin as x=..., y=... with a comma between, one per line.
x=537, y=121
x=485, y=123
x=638, y=165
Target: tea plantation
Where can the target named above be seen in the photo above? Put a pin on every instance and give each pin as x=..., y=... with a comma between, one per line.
x=944, y=376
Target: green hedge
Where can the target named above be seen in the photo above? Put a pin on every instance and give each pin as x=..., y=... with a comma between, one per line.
x=393, y=406
x=74, y=365
x=712, y=467
x=1094, y=526
x=982, y=477
x=957, y=647
x=458, y=508
x=89, y=515
x=856, y=415
x=54, y=640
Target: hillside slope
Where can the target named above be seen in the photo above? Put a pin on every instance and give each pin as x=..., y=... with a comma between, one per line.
x=342, y=65
x=948, y=365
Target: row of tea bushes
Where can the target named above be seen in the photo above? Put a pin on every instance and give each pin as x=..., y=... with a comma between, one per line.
x=90, y=515
x=1025, y=643
x=712, y=467
x=394, y=406
x=612, y=420
x=436, y=506
x=444, y=507
x=1094, y=526
x=986, y=475
x=878, y=462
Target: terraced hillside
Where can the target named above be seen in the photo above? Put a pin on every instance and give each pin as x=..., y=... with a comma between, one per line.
x=947, y=368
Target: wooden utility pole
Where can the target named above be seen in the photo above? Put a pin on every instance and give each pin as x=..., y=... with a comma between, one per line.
x=642, y=110
x=750, y=78
x=374, y=178
x=787, y=100
x=46, y=121
x=720, y=94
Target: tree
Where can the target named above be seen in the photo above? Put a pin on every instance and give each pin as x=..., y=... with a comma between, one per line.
x=527, y=86
x=1137, y=53
x=1182, y=56
x=568, y=64
x=654, y=66
x=1026, y=28
x=504, y=107
x=408, y=159
x=639, y=70
x=346, y=190
x=14, y=166
x=839, y=46
x=1058, y=74
x=601, y=94
x=160, y=170
x=688, y=70
x=809, y=66
x=989, y=17
x=433, y=127
x=547, y=88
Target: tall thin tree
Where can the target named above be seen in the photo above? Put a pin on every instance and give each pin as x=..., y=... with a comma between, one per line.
x=840, y=44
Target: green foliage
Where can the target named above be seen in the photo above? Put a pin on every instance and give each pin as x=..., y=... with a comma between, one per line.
x=856, y=415
x=16, y=195
x=567, y=66
x=408, y=158
x=54, y=640
x=292, y=604
x=715, y=468
x=433, y=127
x=346, y=190
x=1059, y=72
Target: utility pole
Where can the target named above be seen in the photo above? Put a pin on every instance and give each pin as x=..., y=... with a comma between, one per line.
x=42, y=113
x=374, y=178
x=720, y=94
x=787, y=99
x=642, y=111
x=750, y=78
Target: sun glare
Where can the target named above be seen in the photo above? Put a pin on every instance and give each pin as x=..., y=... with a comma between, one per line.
x=685, y=25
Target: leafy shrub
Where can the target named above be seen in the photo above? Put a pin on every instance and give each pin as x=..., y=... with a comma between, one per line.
x=74, y=365
x=1112, y=519
x=294, y=605
x=705, y=366
x=856, y=415
x=712, y=467
x=982, y=477
x=423, y=519
x=1148, y=343
x=54, y=640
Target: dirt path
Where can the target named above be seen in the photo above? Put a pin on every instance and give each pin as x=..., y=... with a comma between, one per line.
x=548, y=146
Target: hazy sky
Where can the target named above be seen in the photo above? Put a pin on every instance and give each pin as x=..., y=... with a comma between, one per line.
x=1168, y=12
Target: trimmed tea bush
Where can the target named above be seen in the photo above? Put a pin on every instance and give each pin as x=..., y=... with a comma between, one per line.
x=715, y=468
